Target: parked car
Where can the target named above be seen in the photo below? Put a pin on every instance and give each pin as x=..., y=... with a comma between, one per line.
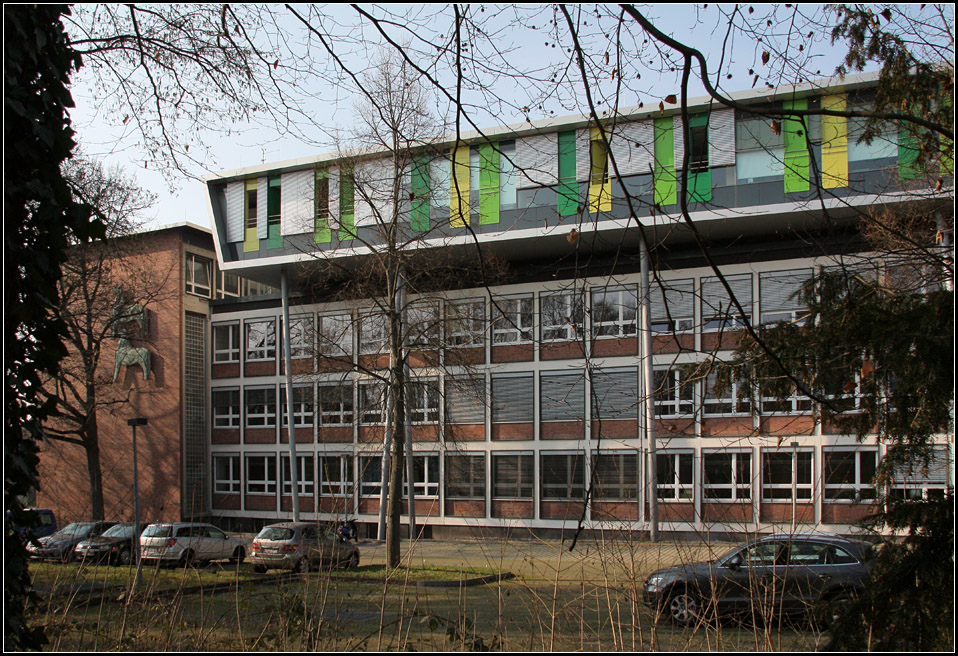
x=188, y=543
x=301, y=545
x=789, y=573
x=116, y=546
x=61, y=544
x=45, y=523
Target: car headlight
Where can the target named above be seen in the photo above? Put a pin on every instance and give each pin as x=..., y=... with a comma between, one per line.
x=655, y=581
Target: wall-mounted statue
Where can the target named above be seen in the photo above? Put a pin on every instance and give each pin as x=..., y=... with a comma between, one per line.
x=130, y=320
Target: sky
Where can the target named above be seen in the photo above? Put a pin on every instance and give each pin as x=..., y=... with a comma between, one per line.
x=108, y=137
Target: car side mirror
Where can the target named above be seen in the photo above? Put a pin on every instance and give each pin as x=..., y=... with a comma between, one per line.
x=734, y=562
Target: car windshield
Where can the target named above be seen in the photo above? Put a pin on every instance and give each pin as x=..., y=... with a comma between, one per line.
x=275, y=533
x=119, y=531
x=158, y=531
x=77, y=529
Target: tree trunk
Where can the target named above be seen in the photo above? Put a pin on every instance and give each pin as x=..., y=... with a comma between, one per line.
x=91, y=444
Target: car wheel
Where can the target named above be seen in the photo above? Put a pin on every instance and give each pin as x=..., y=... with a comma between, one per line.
x=353, y=561
x=683, y=607
x=300, y=566
x=188, y=559
x=123, y=559
x=259, y=569
x=833, y=609
x=66, y=556
x=239, y=555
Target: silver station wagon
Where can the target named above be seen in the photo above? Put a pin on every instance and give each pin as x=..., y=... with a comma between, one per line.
x=189, y=543
x=301, y=545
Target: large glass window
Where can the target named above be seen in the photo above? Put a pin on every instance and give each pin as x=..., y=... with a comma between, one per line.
x=199, y=275
x=336, y=335
x=616, y=475
x=672, y=306
x=372, y=402
x=301, y=337
x=422, y=327
x=261, y=340
x=784, y=472
x=373, y=333
x=727, y=475
x=424, y=401
x=512, y=320
x=302, y=405
x=562, y=397
x=226, y=474
x=335, y=475
x=613, y=312
x=562, y=316
x=305, y=474
x=425, y=476
x=674, y=396
x=562, y=476
x=370, y=476
x=513, y=476
x=336, y=403
x=261, y=474
x=674, y=476
x=466, y=476
x=719, y=312
x=921, y=478
x=260, y=407
x=850, y=474
x=780, y=296
x=226, y=408
x=226, y=342
x=725, y=395
x=466, y=322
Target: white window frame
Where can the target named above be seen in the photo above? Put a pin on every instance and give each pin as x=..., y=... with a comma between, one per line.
x=342, y=485
x=673, y=398
x=260, y=345
x=739, y=404
x=373, y=333
x=625, y=322
x=233, y=417
x=306, y=486
x=301, y=337
x=512, y=320
x=304, y=413
x=261, y=486
x=474, y=482
x=678, y=490
x=860, y=488
x=232, y=483
x=267, y=416
x=338, y=413
x=567, y=489
x=364, y=410
x=735, y=487
x=795, y=404
x=425, y=485
x=569, y=310
x=372, y=487
x=332, y=345
x=192, y=287
x=231, y=353
x=624, y=488
x=804, y=489
x=463, y=329
x=526, y=479
x=424, y=401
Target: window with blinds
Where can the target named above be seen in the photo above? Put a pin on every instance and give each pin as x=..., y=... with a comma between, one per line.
x=615, y=394
x=718, y=311
x=779, y=296
x=562, y=397
x=513, y=398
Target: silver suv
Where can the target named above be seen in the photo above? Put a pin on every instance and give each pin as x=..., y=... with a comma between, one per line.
x=301, y=545
x=188, y=543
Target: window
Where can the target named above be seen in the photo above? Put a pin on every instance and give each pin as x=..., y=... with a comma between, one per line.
x=561, y=316
x=372, y=403
x=674, y=396
x=229, y=285
x=261, y=340
x=251, y=205
x=260, y=407
x=562, y=397
x=613, y=312
x=301, y=337
x=226, y=408
x=774, y=400
x=370, y=475
x=226, y=347
x=513, y=399
x=424, y=401
x=615, y=394
x=335, y=476
x=261, y=474
x=562, y=476
x=848, y=397
x=849, y=474
x=373, y=333
x=336, y=335
x=674, y=473
x=759, y=147
x=302, y=405
x=718, y=311
x=784, y=470
x=513, y=476
x=422, y=325
x=199, y=275
x=465, y=323
x=727, y=475
x=466, y=476
x=512, y=320
x=726, y=395
x=698, y=144
x=779, y=293
x=921, y=479
x=465, y=400
x=616, y=475
x=274, y=204
x=425, y=471
x=672, y=306
x=507, y=175
x=598, y=159
x=305, y=475
x=336, y=404
x=226, y=474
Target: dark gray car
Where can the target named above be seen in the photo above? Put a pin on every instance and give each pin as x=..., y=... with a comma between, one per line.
x=61, y=544
x=776, y=575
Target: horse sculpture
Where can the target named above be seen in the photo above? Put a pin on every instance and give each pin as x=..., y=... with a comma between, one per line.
x=127, y=355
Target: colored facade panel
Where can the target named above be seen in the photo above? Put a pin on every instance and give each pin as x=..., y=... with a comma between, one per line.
x=459, y=188
x=796, y=147
x=419, y=189
x=347, y=211
x=488, y=184
x=909, y=165
x=321, y=232
x=250, y=241
x=600, y=186
x=664, y=171
x=274, y=191
x=834, y=144
x=568, y=191
x=700, y=179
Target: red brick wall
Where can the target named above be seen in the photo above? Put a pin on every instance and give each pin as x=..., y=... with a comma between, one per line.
x=513, y=509
x=465, y=355
x=466, y=507
x=304, y=435
x=336, y=434
x=787, y=425
x=260, y=368
x=558, y=430
x=673, y=343
x=615, y=510
x=465, y=432
x=739, y=511
x=616, y=428
x=513, y=353
x=561, y=351
x=782, y=512
x=845, y=513
x=225, y=370
x=225, y=436
x=604, y=346
x=260, y=502
x=723, y=426
x=513, y=431
x=551, y=509
x=227, y=501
